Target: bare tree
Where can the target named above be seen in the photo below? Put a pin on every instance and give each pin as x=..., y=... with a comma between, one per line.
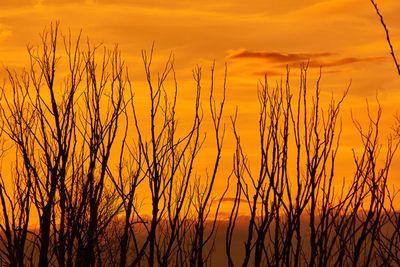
x=340, y=229
x=167, y=164
x=66, y=185
x=203, y=192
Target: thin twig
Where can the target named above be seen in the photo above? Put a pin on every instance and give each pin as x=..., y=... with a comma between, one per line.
x=387, y=35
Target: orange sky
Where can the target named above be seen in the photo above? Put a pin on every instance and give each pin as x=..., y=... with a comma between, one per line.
x=253, y=37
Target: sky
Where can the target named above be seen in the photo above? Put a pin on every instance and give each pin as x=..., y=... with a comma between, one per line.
x=252, y=37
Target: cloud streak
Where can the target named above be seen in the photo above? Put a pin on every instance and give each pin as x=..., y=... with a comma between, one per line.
x=277, y=56
x=343, y=61
x=315, y=60
x=268, y=73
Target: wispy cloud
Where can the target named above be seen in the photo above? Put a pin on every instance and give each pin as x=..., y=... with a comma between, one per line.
x=268, y=73
x=343, y=61
x=277, y=56
x=315, y=60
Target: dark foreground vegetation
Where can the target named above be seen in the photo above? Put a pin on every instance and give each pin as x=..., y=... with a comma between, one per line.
x=85, y=162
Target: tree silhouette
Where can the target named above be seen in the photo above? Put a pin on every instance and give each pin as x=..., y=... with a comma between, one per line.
x=297, y=218
x=85, y=162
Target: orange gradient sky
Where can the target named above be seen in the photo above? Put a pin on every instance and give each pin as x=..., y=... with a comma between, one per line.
x=253, y=37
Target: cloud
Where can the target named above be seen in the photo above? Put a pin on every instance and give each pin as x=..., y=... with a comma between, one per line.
x=278, y=56
x=315, y=60
x=269, y=73
x=343, y=61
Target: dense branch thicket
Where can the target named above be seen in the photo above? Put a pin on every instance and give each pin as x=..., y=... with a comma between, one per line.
x=85, y=163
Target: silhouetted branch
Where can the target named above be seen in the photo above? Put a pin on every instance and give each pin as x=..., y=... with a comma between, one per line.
x=387, y=35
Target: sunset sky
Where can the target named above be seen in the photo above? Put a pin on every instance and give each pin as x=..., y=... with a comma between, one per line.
x=252, y=37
